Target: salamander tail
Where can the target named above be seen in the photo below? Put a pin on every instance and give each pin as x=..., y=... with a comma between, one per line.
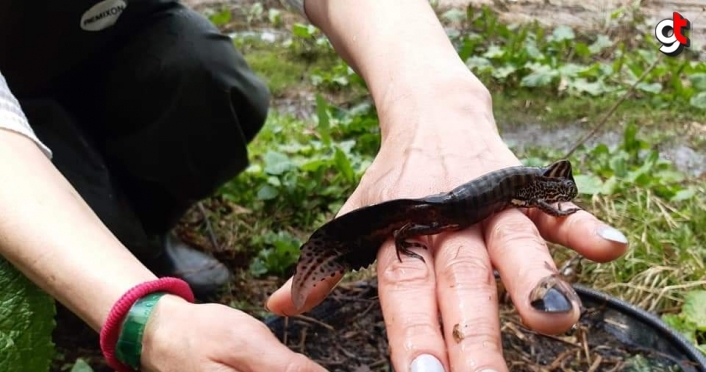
x=317, y=262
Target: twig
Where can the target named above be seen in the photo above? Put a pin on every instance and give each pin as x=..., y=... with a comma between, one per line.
x=315, y=321
x=610, y=112
x=209, y=228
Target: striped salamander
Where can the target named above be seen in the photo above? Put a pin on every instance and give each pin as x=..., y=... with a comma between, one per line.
x=351, y=241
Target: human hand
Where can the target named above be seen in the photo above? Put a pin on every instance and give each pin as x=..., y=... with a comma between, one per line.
x=181, y=336
x=457, y=279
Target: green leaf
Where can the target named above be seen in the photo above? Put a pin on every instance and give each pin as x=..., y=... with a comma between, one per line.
x=582, y=85
x=698, y=81
x=267, y=192
x=344, y=165
x=81, y=366
x=303, y=31
x=684, y=194
x=650, y=88
x=699, y=101
x=26, y=323
x=542, y=76
x=494, y=51
x=571, y=69
x=324, y=125
x=454, y=15
x=600, y=44
x=277, y=163
x=274, y=16
x=695, y=309
x=562, y=33
x=588, y=184
x=221, y=18
x=478, y=63
x=503, y=72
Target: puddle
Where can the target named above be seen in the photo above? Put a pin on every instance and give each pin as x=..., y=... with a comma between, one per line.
x=522, y=136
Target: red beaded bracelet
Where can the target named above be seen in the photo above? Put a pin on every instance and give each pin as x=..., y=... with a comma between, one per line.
x=111, y=329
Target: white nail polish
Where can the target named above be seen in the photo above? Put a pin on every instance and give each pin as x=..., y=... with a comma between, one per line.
x=609, y=233
x=426, y=363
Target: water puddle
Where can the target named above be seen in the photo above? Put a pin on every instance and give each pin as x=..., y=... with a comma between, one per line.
x=523, y=136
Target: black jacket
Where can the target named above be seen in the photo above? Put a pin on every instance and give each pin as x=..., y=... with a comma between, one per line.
x=42, y=39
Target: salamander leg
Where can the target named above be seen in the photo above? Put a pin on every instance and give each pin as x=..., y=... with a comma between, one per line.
x=556, y=212
x=403, y=244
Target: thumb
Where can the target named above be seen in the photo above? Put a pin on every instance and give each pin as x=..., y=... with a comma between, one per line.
x=280, y=302
x=258, y=349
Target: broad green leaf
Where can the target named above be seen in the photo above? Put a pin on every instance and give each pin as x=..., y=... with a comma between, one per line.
x=454, y=15
x=539, y=78
x=221, y=18
x=582, y=85
x=695, y=309
x=81, y=366
x=478, y=63
x=503, y=72
x=650, y=88
x=682, y=195
x=698, y=81
x=562, y=33
x=588, y=184
x=267, y=192
x=26, y=323
x=494, y=51
x=600, y=44
x=303, y=31
x=277, y=163
x=699, y=101
x=571, y=69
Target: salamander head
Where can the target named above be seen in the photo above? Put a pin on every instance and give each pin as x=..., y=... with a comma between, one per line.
x=551, y=190
x=555, y=184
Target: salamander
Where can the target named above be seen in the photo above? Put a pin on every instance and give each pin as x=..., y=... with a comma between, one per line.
x=351, y=241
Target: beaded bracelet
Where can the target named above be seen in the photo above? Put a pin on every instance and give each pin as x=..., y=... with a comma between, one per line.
x=129, y=316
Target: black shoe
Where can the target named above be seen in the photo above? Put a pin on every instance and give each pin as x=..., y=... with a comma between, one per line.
x=205, y=274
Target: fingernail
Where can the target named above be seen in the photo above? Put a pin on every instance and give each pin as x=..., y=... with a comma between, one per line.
x=553, y=302
x=609, y=233
x=426, y=363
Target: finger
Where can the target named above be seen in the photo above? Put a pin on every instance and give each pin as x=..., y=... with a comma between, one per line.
x=522, y=258
x=408, y=300
x=253, y=347
x=280, y=302
x=468, y=302
x=583, y=233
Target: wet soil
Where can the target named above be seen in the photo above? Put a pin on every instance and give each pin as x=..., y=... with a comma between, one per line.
x=346, y=333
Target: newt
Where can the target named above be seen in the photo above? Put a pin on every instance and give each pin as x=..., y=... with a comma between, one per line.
x=351, y=241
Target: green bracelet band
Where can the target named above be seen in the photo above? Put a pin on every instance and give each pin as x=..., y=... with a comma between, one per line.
x=129, y=346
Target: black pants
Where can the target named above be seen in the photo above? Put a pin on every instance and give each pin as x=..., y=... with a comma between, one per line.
x=154, y=121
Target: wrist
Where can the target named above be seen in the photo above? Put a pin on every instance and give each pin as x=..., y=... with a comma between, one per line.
x=449, y=108
x=127, y=321
x=156, y=343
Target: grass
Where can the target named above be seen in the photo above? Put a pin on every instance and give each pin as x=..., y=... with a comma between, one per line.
x=304, y=168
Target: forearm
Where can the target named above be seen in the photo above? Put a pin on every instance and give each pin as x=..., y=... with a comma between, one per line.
x=49, y=233
x=402, y=52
